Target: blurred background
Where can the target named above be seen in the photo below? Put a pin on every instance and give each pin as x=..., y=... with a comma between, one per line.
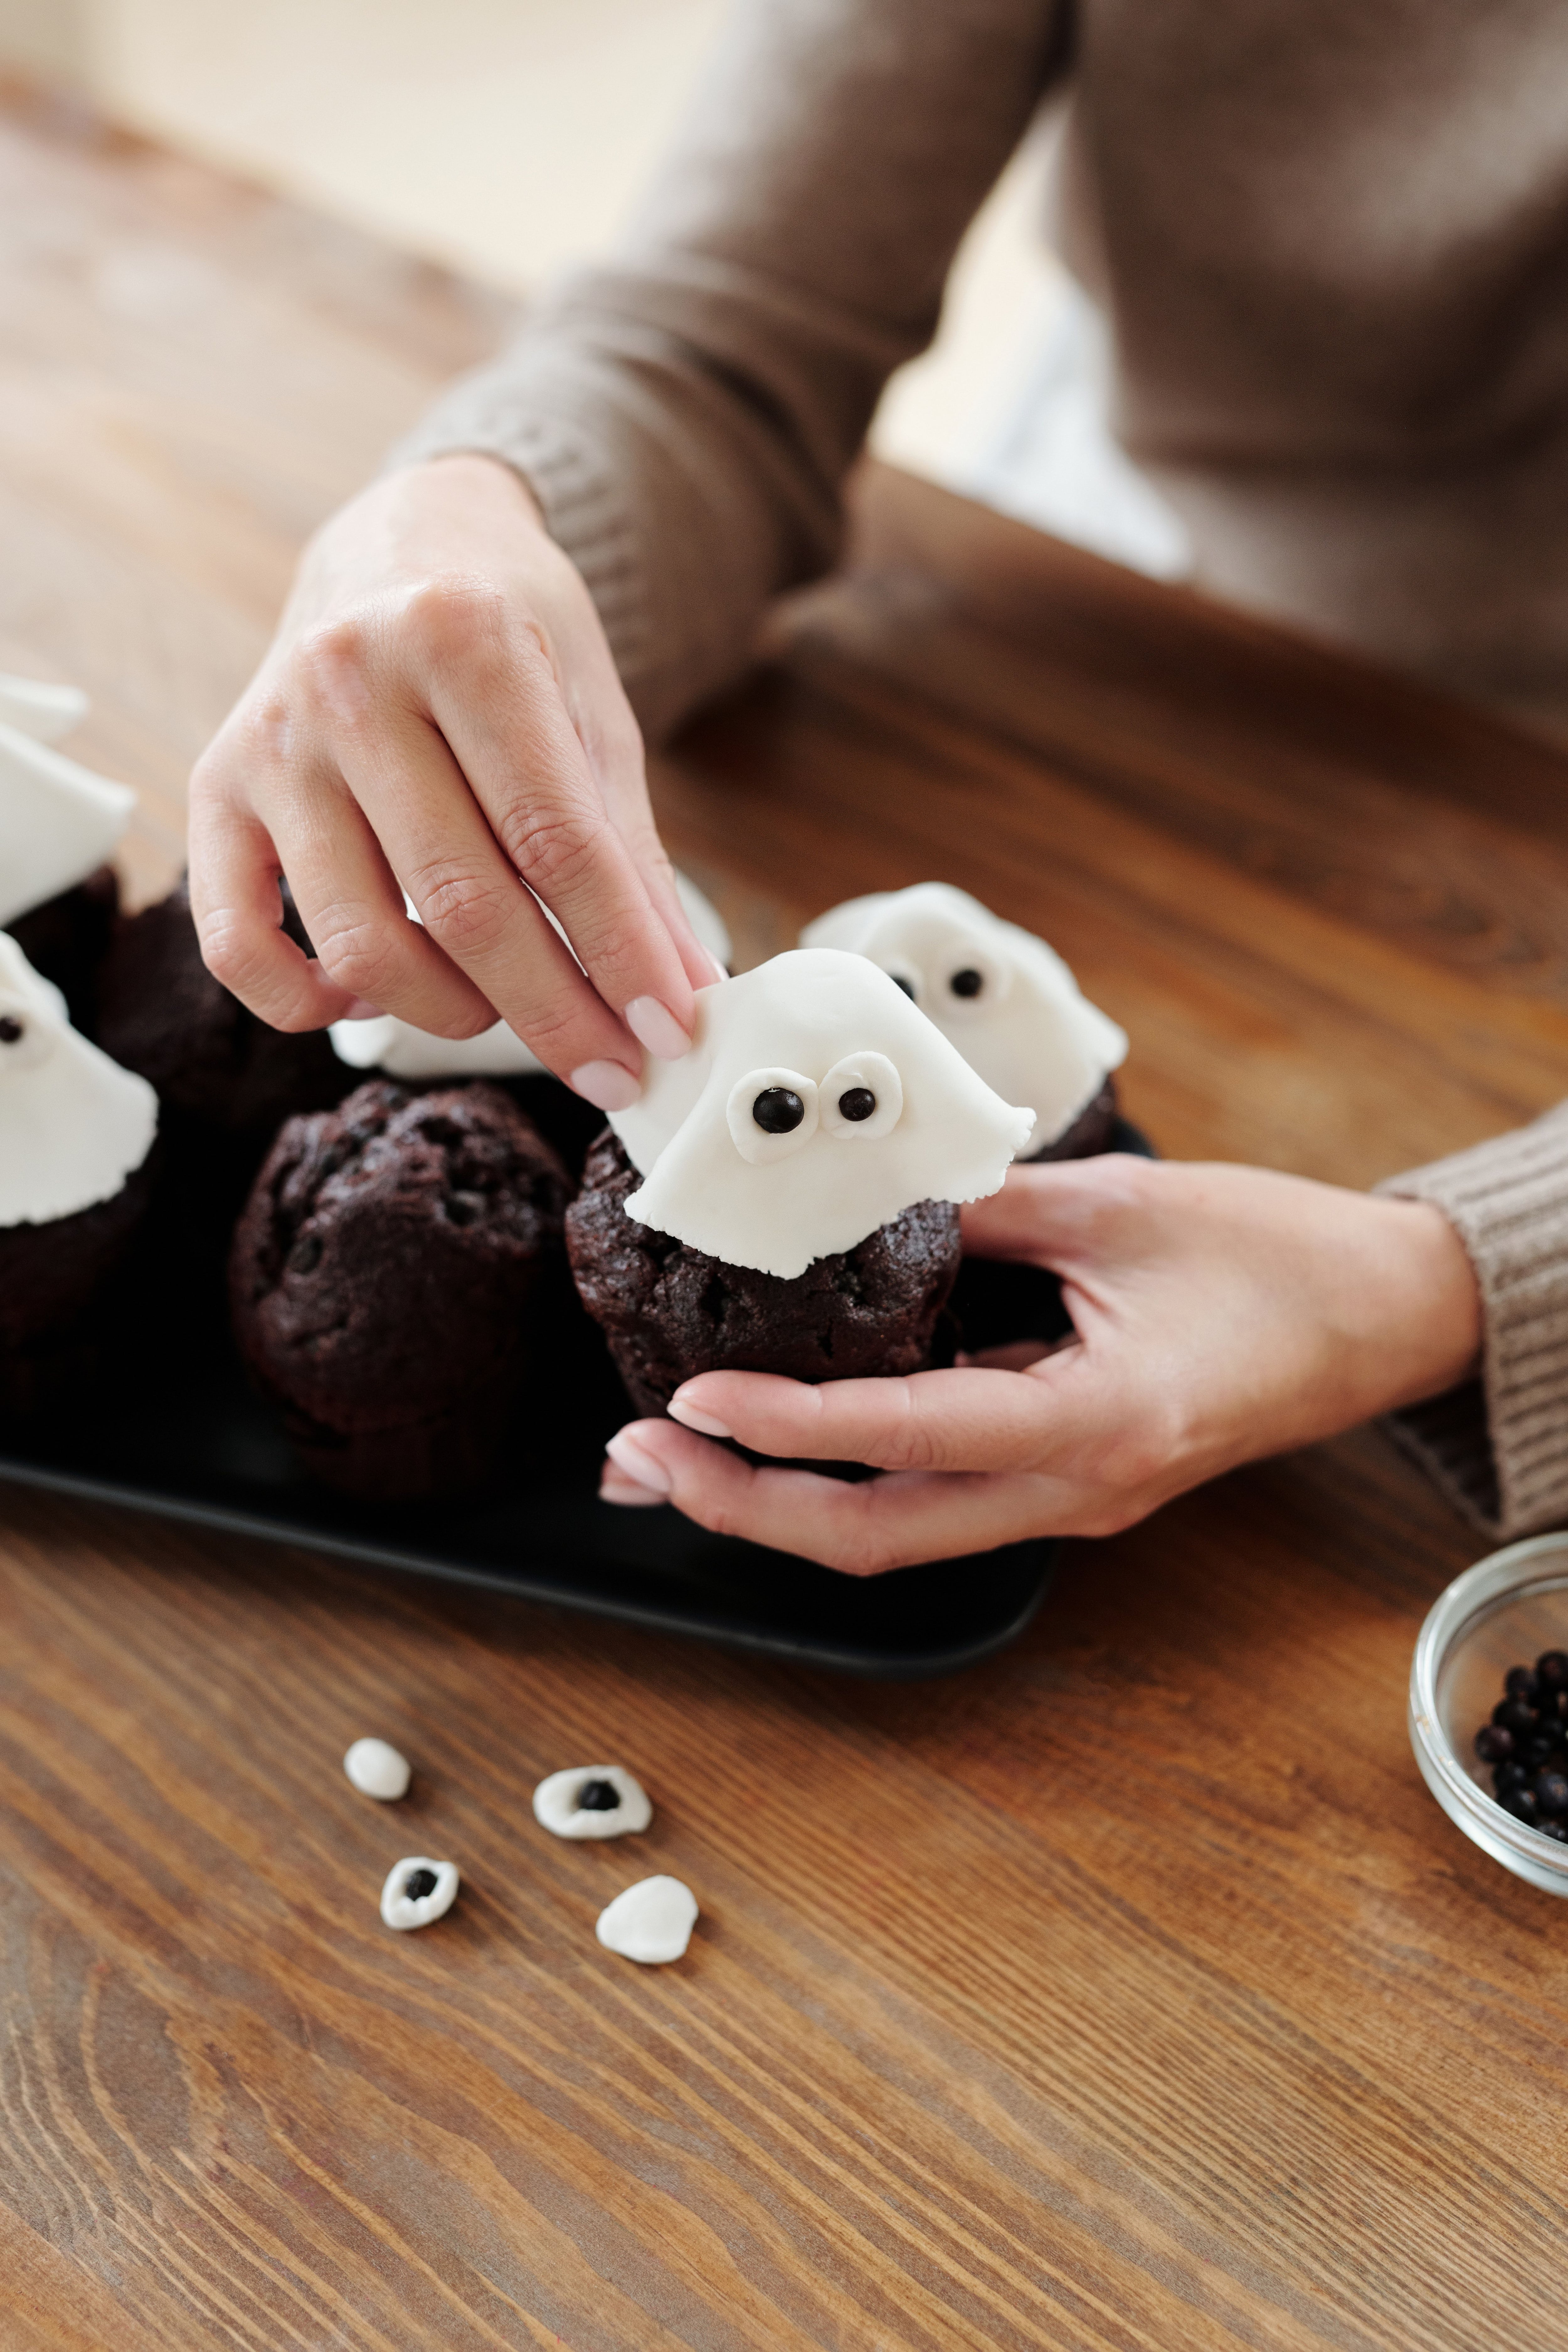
x=509, y=139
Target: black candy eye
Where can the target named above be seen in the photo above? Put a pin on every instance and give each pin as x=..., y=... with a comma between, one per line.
x=418, y=1884
x=967, y=982
x=857, y=1103
x=907, y=985
x=778, y=1110
x=598, y=1797
x=11, y=1031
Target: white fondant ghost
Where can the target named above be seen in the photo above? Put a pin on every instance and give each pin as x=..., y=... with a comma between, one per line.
x=404, y=1052
x=73, y=1124
x=45, y=712
x=1007, y=1001
x=870, y=1109
x=57, y=820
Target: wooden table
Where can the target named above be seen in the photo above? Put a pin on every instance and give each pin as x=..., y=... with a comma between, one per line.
x=1128, y=1994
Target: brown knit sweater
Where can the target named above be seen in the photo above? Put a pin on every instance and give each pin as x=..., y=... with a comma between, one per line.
x=1332, y=243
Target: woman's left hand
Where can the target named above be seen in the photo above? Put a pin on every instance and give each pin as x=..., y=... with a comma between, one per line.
x=1221, y=1314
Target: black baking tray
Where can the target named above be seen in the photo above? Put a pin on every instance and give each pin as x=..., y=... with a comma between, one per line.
x=172, y=1427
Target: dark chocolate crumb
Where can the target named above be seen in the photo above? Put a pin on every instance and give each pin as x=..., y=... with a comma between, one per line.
x=598, y=1797
x=418, y=1884
x=857, y=1104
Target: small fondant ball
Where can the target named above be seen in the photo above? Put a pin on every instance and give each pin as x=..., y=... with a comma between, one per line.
x=592, y=1800
x=651, y=1922
x=377, y=1769
x=418, y=1890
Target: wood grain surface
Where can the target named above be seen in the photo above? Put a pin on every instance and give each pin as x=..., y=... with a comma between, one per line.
x=1126, y=1994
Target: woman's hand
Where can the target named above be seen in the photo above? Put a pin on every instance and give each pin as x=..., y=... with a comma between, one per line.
x=1221, y=1314
x=439, y=713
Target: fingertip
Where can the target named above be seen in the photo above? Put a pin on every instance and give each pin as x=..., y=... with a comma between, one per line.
x=633, y=1456
x=706, y=1424
x=608, y=1085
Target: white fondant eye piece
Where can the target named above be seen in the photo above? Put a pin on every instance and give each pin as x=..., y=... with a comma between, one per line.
x=417, y=1891
x=974, y=981
x=26, y=1042
x=861, y=1097
x=592, y=1800
x=377, y=1769
x=771, y=1113
x=651, y=1922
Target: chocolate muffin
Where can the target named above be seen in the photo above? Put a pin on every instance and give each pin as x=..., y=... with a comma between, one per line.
x=66, y=940
x=218, y=1070
x=382, y=1279
x=669, y=1312
x=1091, y=1132
x=52, y=1279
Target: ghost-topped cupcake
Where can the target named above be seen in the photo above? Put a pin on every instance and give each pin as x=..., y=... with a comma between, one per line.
x=785, y=1198
x=58, y=825
x=1005, y=998
x=74, y=1134
x=57, y=820
x=385, y=1043
x=73, y=1124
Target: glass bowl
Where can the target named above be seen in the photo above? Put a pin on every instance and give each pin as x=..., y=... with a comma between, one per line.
x=1502, y=1612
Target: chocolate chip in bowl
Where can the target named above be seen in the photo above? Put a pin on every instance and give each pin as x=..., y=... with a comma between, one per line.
x=1489, y=1707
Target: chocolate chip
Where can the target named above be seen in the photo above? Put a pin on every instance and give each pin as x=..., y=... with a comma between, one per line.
x=462, y=1208
x=967, y=982
x=418, y=1884
x=858, y=1103
x=306, y=1254
x=11, y=1031
x=778, y=1111
x=598, y=1797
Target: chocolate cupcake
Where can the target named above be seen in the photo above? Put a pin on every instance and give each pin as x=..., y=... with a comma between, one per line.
x=221, y=1074
x=76, y=1139
x=382, y=1277
x=1005, y=998
x=785, y=1198
x=669, y=1311
x=58, y=823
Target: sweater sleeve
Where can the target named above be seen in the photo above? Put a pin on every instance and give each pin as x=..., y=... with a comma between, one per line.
x=1498, y=1446
x=686, y=414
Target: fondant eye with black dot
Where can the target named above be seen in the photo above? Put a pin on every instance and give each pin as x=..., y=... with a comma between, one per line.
x=597, y=1800
x=974, y=981
x=862, y=1097
x=417, y=1891
x=771, y=1114
x=25, y=1040
x=778, y=1110
x=903, y=974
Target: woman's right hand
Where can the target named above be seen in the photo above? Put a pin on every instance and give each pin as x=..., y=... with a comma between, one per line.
x=439, y=713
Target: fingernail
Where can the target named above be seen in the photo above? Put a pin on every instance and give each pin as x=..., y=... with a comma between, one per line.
x=361, y=1009
x=653, y=1025
x=608, y=1085
x=695, y=1418
x=642, y=1469
x=616, y=1487
x=720, y=971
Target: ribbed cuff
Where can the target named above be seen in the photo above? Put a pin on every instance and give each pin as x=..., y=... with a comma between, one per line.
x=1498, y=1446
x=583, y=510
